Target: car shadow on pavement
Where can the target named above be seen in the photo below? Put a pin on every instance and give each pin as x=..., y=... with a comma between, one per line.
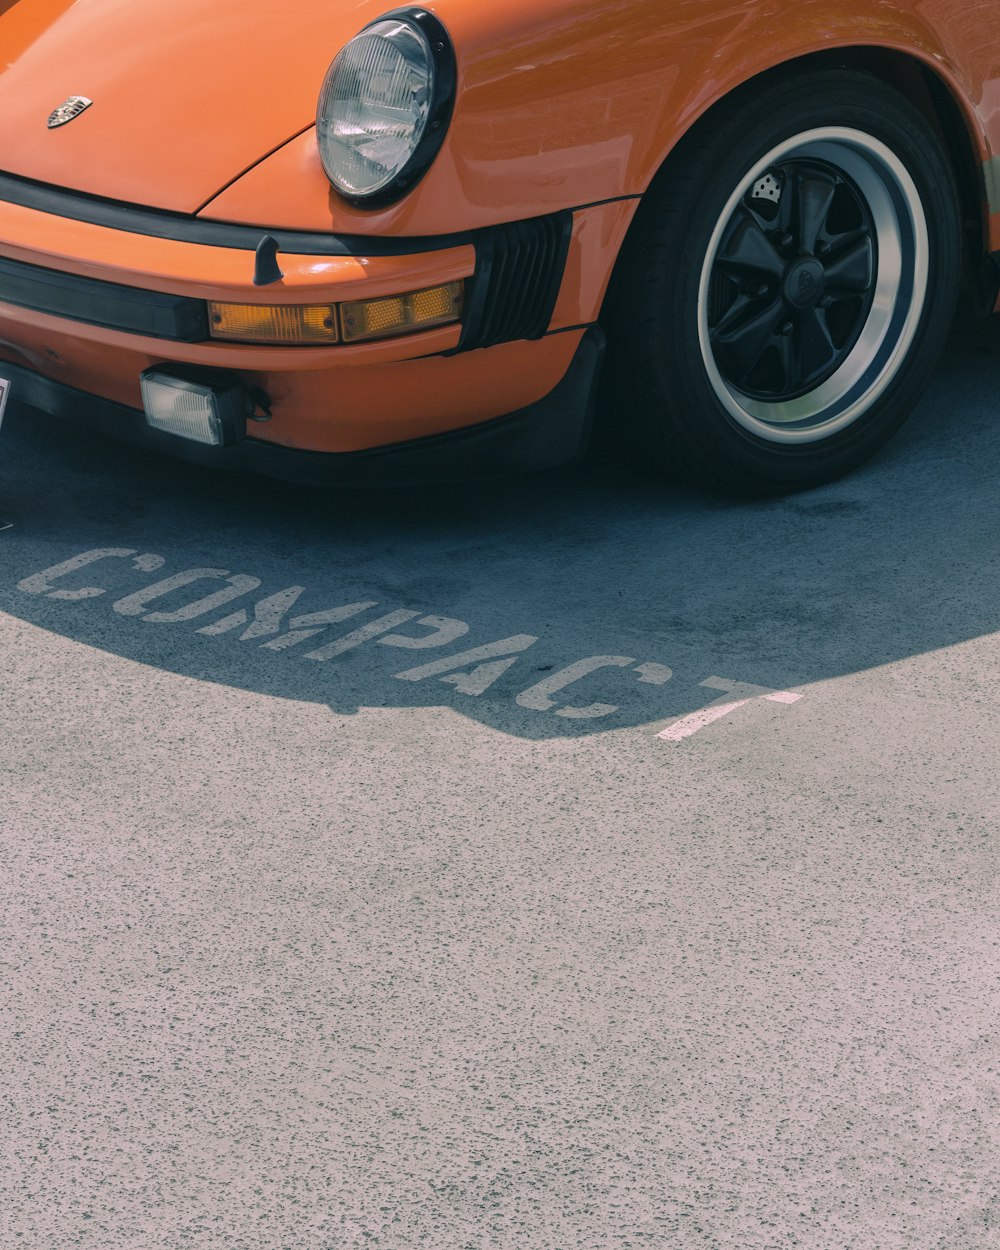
x=595, y=561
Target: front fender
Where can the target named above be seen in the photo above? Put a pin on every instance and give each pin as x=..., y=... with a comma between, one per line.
x=564, y=103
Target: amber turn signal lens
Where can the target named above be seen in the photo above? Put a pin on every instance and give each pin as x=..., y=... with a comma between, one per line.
x=402, y=314
x=317, y=324
x=290, y=324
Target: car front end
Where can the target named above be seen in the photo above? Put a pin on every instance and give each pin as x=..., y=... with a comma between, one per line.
x=302, y=318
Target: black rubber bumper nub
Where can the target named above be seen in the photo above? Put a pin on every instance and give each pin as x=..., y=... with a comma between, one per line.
x=266, y=270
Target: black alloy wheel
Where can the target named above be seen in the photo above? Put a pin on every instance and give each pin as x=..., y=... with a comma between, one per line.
x=793, y=281
x=787, y=285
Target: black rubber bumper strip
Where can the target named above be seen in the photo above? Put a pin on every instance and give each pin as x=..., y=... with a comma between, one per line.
x=553, y=432
x=161, y=224
x=100, y=303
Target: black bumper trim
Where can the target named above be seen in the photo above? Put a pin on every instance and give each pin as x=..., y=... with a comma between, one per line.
x=131, y=309
x=553, y=432
x=161, y=223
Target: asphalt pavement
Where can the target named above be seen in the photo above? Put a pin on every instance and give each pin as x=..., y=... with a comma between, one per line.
x=572, y=862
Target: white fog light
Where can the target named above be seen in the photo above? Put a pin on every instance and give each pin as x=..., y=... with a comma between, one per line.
x=202, y=407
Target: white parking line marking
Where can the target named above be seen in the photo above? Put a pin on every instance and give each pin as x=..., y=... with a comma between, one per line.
x=688, y=726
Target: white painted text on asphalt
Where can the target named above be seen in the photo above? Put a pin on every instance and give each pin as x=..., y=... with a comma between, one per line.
x=273, y=624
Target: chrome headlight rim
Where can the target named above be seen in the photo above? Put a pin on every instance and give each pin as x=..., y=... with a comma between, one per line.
x=444, y=65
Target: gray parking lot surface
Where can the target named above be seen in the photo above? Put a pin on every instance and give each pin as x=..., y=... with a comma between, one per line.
x=564, y=863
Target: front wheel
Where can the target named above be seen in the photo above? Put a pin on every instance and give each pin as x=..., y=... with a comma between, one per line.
x=787, y=285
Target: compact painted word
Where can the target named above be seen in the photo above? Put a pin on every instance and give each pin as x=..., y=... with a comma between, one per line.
x=274, y=623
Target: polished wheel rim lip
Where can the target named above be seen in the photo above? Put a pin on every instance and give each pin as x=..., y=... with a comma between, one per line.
x=897, y=300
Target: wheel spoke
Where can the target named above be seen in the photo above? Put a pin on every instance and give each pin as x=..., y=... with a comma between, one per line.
x=786, y=206
x=815, y=347
x=851, y=269
x=734, y=315
x=747, y=249
x=742, y=341
x=814, y=194
x=791, y=363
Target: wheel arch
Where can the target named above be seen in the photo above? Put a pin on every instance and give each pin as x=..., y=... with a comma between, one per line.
x=944, y=105
x=946, y=108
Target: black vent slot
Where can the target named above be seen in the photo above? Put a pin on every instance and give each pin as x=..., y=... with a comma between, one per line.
x=519, y=270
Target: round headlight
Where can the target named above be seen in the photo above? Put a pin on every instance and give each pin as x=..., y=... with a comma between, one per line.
x=385, y=107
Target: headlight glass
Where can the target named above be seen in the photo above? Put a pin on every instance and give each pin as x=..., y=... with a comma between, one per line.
x=375, y=107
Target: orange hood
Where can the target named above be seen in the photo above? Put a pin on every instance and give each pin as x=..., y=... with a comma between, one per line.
x=187, y=94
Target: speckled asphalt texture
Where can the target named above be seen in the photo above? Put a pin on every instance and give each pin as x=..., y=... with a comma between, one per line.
x=302, y=954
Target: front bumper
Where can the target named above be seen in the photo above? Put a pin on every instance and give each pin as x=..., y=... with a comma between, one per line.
x=553, y=432
x=97, y=293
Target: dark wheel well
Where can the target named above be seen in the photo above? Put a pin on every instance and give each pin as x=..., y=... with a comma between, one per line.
x=933, y=97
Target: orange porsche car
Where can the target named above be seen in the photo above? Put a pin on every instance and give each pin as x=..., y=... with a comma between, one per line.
x=328, y=241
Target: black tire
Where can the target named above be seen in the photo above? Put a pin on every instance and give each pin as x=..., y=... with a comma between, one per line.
x=686, y=311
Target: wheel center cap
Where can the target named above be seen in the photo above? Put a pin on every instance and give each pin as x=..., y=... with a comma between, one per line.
x=804, y=283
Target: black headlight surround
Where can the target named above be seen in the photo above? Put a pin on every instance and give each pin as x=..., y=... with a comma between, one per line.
x=439, y=115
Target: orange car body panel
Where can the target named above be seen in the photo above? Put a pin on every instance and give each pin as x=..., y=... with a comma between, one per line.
x=562, y=105
x=570, y=102
x=187, y=95
x=382, y=392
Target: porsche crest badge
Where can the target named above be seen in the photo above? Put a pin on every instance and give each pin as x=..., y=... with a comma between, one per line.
x=73, y=107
